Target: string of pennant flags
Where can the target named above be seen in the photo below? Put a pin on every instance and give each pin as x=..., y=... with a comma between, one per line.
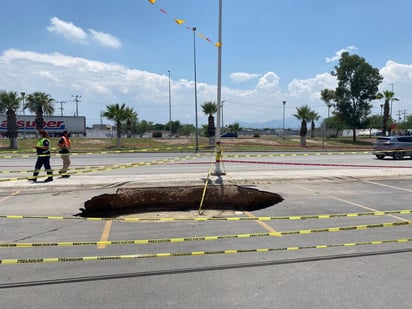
x=180, y=21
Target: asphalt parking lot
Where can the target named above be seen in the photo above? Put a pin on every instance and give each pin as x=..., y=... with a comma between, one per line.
x=332, y=242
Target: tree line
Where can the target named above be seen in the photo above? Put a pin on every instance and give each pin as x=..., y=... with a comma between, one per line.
x=357, y=87
x=126, y=118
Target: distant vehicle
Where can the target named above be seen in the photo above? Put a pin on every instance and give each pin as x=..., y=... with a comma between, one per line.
x=396, y=147
x=229, y=134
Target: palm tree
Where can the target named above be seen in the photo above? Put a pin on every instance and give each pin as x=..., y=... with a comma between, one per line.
x=210, y=108
x=314, y=116
x=389, y=97
x=303, y=114
x=131, y=118
x=9, y=104
x=118, y=114
x=40, y=104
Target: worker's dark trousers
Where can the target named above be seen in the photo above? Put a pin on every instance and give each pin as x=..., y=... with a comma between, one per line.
x=43, y=160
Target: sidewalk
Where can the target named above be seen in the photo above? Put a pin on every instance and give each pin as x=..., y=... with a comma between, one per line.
x=242, y=178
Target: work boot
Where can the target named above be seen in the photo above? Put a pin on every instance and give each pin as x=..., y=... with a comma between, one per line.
x=48, y=179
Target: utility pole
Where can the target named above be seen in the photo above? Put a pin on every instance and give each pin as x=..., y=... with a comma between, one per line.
x=77, y=99
x=404, y=115
x=61, y=107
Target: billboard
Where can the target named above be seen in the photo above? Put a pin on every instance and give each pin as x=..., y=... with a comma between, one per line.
x=52, y=124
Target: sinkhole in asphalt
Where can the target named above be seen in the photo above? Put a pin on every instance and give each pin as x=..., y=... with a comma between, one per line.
x=181, y=198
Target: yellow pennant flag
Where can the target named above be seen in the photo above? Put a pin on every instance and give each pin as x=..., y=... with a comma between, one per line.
x=179, y=21
x=152, y=1
x=218, y=44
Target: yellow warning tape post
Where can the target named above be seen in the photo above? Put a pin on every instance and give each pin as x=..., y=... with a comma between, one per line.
x=193, y=253
x=203, y=238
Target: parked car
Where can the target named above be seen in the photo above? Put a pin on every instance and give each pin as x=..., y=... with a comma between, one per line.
x=396, y=147
x=229, y=134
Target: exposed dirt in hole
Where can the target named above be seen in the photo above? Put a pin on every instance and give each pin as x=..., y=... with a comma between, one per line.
x=184, y=198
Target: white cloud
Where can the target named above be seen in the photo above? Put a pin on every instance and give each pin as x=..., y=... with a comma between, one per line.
x=105, y=39
x=339, y=53
x=242, y=77
x=76, y=34
x=101, y=84
x=68, y=30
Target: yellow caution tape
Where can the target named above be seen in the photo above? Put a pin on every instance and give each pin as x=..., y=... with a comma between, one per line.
x=201, y=238
x=136, y=219
x=194, y=253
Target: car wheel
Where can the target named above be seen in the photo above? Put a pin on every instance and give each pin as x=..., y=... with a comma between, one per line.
x=398, y=155
x=380, y=156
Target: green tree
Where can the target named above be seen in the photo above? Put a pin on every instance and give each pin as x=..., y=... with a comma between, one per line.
x=40, y=104
x=131, y=118
x=235, y=127
x=373, y=122
x=143, y=127
x=210, y=108
x=116, y=113
x=9, y=104
x=335, y=123
x=304, y=114
x=174, y=126
x=358, y=85
x=389, y=97
x=187, y=129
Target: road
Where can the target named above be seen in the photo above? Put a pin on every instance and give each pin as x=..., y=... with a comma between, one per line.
x=322, y=261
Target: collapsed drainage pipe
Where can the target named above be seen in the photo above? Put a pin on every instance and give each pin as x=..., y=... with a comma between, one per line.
x=184, y=198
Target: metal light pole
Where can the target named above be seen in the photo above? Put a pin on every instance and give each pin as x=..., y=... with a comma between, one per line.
x=218, y=151
x=170, y=108
x=24, y=115
x=223, y=125
x=284, y=103
x=194, y=65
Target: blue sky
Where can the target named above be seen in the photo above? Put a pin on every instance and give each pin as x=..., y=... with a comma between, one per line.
x=110, y=51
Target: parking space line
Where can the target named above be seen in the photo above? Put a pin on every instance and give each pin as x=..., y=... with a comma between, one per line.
x=353, y=203
x=263, y=224
x=388, y=186
x=9, y=196
x=105, y=234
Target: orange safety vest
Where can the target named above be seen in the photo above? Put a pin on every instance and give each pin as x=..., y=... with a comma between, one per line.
x=66, y=141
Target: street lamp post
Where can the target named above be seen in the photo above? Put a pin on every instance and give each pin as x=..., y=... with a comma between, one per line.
x=218, y=151
x=194, y=66
x=223, y=101
x=284, y=103
x=24, y=115
x=170, y=108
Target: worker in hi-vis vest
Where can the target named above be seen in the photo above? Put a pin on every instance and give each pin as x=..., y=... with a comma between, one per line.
x=64, y=151
x=43, y=157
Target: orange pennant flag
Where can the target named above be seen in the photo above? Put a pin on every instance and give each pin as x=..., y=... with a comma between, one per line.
x=152, y=1
x=179, y=21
